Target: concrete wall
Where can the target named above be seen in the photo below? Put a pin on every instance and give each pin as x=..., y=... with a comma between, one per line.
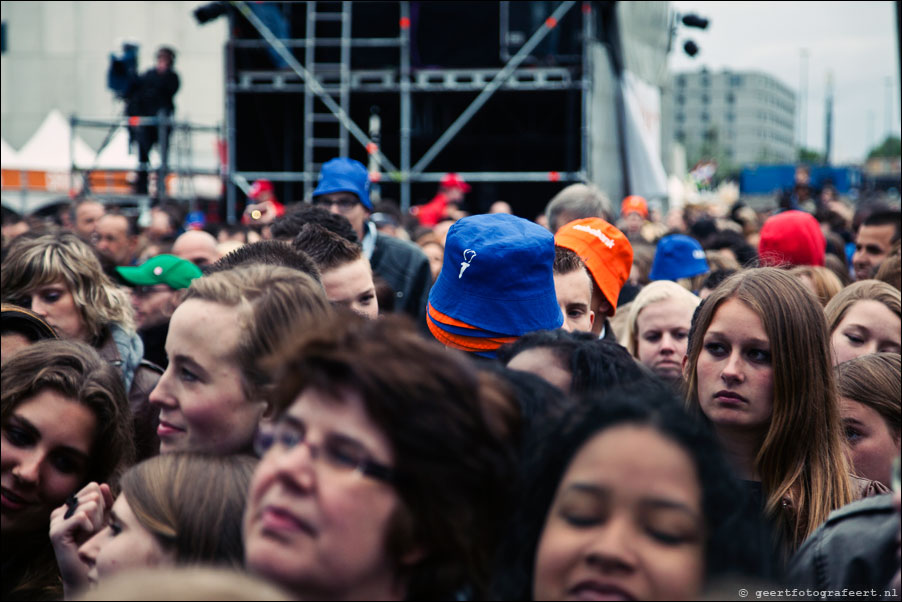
x=605, y=160
x=58, y=53
x=644, y=33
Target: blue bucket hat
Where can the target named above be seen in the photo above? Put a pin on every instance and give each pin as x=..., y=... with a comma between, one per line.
x=678, y=256
x=497, y=275
x=345, y=175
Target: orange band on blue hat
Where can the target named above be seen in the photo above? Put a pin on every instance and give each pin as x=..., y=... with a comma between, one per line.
x=448, y=319
x=466, y=330
x=473, y=344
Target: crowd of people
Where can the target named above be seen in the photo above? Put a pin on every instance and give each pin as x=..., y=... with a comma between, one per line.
x=335, y=400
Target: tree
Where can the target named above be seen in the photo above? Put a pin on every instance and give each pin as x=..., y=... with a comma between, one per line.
x=808, y=155
x=712, y=149
x=891, y=147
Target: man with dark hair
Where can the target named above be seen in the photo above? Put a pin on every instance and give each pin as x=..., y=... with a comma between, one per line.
x=344, y=188
x=117, y=238
x=158, y=287
x=83, y=215
x=575, y=362
x=608, y=256
x=164, y=223
x=13, y=225
x=267, y=252
x=736, y=244
x=346, y=273
x=874, y=242
x=287, y=227
x=573, y=287
x=147, y=96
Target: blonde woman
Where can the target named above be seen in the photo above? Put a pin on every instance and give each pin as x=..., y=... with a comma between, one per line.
x=864, y=318
x=658, y=327
x=174, y=510
x=57, y=275
x=212, y=396
x=821, y=281
x=871, y=398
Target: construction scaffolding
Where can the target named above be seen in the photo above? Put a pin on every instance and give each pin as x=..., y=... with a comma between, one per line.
x=331, y=84
x=100, y=178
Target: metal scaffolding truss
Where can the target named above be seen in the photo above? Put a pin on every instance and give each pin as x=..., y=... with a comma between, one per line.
x=182, y=164
x=389, y=80
x=333, y=83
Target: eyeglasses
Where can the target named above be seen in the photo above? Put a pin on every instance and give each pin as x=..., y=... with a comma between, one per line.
x=145, y=291
x=338, y=453
x=343, y=205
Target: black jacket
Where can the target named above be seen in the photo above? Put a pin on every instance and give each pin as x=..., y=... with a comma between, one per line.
x=406, y=269
x=855, y=549
x=151, y=92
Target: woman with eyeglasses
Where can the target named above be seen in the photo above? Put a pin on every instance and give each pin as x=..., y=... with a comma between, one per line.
x=385, y=475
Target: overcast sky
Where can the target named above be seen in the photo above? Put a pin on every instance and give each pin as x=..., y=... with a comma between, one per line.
x=856, y=41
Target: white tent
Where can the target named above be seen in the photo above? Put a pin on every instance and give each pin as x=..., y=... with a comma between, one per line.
x=48, y=149
x=9, y=158
x=116, y=155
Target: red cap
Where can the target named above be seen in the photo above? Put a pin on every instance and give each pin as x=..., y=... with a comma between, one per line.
x=793, y=237
x=634, y=204
x=259, y=187
x=452, y=180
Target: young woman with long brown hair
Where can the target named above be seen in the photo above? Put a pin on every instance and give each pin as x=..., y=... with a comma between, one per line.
x=759, y=370
x=66, y=422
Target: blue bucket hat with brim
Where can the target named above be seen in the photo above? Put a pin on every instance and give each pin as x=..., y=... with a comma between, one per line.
x=345, y=175
x=678, y=256
x=497, y=275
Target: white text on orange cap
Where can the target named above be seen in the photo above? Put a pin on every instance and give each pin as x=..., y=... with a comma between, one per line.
x=597, y=234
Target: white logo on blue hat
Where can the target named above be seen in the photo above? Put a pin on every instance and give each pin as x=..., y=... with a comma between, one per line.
x=469, y=254
x=157, y=270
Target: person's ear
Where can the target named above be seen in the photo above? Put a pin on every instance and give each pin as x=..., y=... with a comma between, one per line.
x=269, y=413
x=685, y=366
x=269, y=410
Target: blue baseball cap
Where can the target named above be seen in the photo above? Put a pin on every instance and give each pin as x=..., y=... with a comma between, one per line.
x=497, y=275
x=345, y=175
x=678, y=256
x=196, y=220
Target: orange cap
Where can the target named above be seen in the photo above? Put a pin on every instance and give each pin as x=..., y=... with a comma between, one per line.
x=634, y=204
x=603, y=248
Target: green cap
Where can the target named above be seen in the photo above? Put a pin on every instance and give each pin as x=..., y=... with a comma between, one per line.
x=162, y=269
